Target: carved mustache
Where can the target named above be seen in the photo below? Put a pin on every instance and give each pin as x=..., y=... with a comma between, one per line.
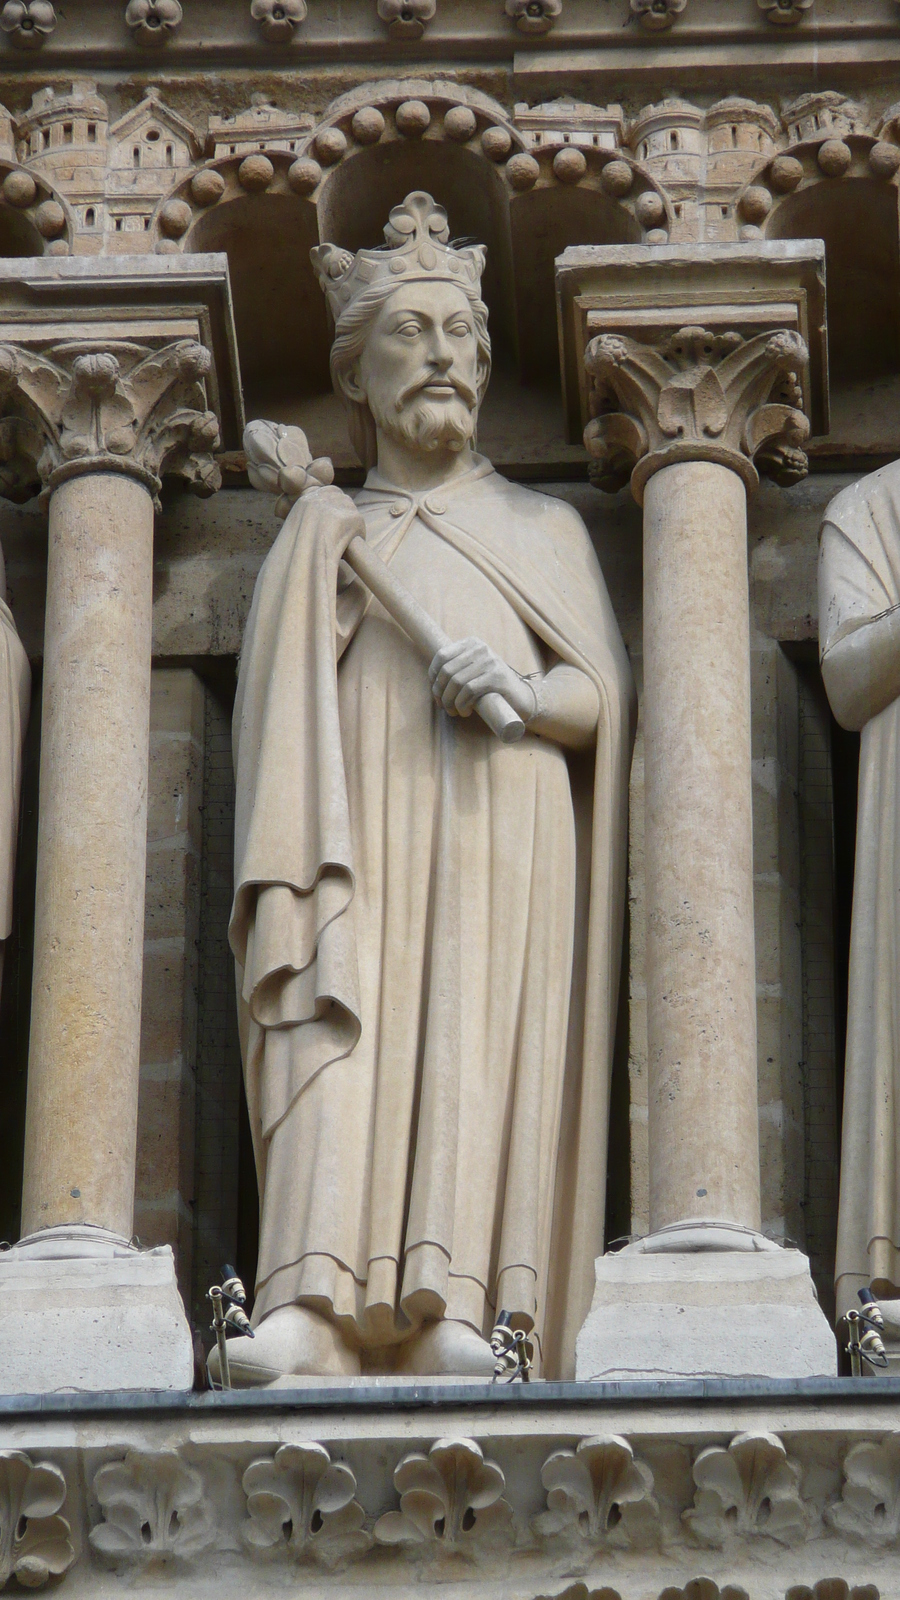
x=459, y=384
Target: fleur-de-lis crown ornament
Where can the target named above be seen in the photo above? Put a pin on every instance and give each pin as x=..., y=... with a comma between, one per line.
x=417, y=245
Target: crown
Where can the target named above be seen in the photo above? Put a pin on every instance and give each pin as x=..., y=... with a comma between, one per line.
x=416, y=246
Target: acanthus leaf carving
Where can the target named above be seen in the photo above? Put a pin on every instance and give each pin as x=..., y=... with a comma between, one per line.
x=302, y=1504
x=116, y=408
x=154, y=1507
x=869, y=1507
x=450, y=1502
x=598, y=1496
x=699, y=395
x=34, y=1539
x=747, y=1490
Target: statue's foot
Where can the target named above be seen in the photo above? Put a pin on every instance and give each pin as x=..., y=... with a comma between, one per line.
x=290, y=1341
x=447, y=1349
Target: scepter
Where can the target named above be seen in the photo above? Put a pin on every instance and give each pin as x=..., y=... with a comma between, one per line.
x=279, y=461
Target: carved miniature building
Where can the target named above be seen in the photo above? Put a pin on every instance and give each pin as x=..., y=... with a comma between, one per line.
x=639, y=170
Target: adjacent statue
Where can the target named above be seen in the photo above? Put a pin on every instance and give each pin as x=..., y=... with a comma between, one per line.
x=859, y=631
x=427, y=920
x=15, y=702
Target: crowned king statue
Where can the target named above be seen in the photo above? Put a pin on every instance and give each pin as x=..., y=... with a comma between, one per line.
x=427, y=920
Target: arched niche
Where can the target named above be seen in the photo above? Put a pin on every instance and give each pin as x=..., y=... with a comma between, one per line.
x=858, y=220
x=279, y=310
x=544, y=221
x=18, y=235
x=355, y=202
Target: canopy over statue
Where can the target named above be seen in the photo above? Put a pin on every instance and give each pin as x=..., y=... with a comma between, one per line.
x=427, y=922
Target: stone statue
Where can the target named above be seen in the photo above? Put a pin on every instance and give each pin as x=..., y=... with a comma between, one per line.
x=859, y=633
x=15, y=703
x=427, y=921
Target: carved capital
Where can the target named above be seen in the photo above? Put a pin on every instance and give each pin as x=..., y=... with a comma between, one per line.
x=695, y=396
x=111, y=406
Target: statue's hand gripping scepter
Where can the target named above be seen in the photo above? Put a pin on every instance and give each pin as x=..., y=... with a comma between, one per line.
x=279, y=461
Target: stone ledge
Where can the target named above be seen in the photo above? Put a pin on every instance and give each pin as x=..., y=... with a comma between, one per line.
x=518, y=1492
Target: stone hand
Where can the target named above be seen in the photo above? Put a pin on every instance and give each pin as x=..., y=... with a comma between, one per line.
x=464, y=670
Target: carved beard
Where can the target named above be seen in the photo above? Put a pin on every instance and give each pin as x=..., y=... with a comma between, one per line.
x=429, y=424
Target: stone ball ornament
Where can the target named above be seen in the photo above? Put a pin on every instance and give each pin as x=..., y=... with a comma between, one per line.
x=569, y=164
x=496, y=143
x=522, y=172
x=331, y=145
x=656, y=14
x=834, y=158
x=413, y=118
x=277, y=19
x=19, y=188
x=175, y=218
x=755, y=204
x=49, y=219
x=884, y=159
x=650, y=209
x=207, y=186
x=367, y=125
x=255, y=173
x=460, y=124
x=617, y=179
x=533, y=16
x=153, y=22
x=406, y=19
x=304, y=175
x=27, y=23
x=786, y=174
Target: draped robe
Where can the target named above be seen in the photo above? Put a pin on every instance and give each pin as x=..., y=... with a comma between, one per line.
x=859, y=580
x=15, y=693
x=427, y=925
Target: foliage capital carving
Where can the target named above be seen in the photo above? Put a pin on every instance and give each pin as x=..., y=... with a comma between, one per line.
x=112, y=407
x=302, y=1504
x=450, y=1503
x=696, y=396
x=154, y=1508
x=749, y=1490
x=598, y=1496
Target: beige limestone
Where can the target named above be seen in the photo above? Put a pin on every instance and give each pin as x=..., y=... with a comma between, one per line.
x=859, y=606
x=80, y=1139
x=405, y=1001
x=699, y=832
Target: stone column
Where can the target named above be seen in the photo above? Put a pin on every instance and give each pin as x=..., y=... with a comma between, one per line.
x=689, y=418
x=100, y=420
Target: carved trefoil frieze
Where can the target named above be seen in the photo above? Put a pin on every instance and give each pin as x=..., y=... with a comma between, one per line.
x=35, y=1540
x=749, y=1490
x=451, y=1503
x=598, y=1497
x=302, y=1506
x=154, y=1507
x=869, y=1507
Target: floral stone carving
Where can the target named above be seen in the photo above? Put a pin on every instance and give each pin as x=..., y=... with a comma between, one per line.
x=278, y=18
x=34, y=1539
x=598, y=1495
x=699, y=395
x=869, y=1507
x=154, y=1506
x=125, y=408
x=407, y=19
x=152, y=22
x=785, y=13
x=450, y=1501
x=28, y=22
x=533, y=16
x=302, y=1504
x=749, y=1489
x=657, y=13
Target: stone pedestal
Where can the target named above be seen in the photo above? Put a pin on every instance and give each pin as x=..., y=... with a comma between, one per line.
x=80, y=1310
x=98, y=412
x=691, y=414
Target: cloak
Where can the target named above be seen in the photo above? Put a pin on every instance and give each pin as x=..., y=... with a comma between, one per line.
x=859, y=584
x=292, y=927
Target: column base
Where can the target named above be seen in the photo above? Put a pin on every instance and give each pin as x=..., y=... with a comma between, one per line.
x=81, y=1310
x=704, y=1300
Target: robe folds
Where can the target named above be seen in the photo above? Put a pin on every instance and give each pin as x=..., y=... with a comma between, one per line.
x=427, y=924
x=859, y=581
x=15, y=700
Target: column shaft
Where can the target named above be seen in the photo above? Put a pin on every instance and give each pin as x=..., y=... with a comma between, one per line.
x=701, y=982
x=86, y=1004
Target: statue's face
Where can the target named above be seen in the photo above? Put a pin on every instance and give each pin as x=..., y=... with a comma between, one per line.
x=419, y=369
